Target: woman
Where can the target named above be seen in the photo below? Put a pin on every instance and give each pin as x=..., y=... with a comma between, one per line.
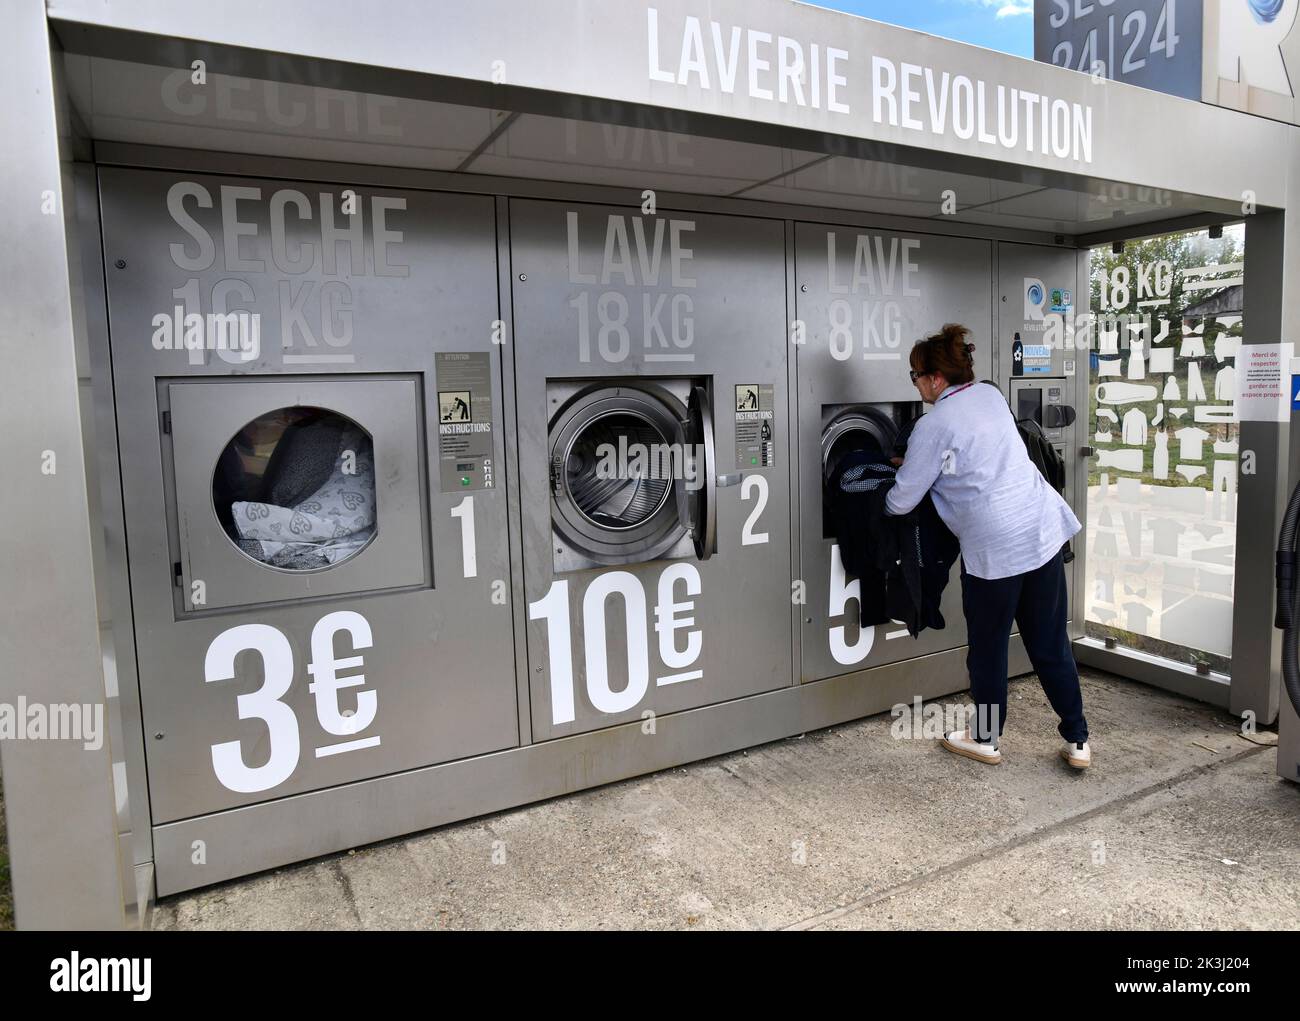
x=968, y=454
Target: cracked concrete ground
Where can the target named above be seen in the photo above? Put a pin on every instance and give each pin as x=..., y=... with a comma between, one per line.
x=1181, y=823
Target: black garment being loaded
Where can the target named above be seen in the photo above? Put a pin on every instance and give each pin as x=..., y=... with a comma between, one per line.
x=902, y=562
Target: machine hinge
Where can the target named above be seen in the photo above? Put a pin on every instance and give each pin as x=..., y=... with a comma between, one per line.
x=176, y=573
x=167, y=422
x=1087, y=451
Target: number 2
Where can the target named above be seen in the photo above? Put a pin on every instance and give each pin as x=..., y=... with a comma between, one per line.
x=752, y=483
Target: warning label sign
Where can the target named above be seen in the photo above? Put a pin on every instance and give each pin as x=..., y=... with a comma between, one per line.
x=465, y=459
x=755, y=425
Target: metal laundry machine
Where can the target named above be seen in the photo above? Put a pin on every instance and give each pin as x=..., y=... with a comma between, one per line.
x=849, y=428
x=310, y=424
x=1286, y=612
x=661, y=507
x=650, y=371
x=864, y=297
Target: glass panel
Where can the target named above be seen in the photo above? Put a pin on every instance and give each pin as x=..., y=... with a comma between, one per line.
x=295, y=489
x=1161, y=542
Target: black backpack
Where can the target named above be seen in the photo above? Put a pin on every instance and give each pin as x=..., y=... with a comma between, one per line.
x=1049, y=462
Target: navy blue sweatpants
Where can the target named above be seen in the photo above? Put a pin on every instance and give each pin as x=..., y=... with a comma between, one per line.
x=1037, y=601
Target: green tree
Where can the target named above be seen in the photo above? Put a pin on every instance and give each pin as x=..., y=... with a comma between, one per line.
x=1182, y=251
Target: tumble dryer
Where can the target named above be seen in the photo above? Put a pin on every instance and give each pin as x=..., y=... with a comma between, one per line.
x=309, y=412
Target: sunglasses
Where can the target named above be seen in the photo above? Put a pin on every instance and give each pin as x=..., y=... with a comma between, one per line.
x=913, y=375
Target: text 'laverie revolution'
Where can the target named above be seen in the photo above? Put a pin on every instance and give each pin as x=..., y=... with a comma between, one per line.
x=710, y=57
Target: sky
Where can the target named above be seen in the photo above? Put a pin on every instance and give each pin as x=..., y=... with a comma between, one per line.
x=1006, y=25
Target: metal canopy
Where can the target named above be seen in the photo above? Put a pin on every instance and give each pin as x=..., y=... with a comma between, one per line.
x=597, y=95
x=147, y=104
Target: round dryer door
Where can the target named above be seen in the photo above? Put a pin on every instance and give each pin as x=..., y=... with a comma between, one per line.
x=859, y=428
x=615, y=454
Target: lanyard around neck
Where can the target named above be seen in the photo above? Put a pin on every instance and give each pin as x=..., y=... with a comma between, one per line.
x=964, y=386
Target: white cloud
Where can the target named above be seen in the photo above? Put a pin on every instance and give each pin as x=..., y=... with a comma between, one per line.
x=1004, y=8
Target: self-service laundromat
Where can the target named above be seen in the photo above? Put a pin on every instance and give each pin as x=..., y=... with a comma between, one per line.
x=356, y=321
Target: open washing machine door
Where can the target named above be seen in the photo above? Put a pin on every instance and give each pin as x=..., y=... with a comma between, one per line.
x=858, y=427
x=698, y=506
x=632, y=473
x=848, y=428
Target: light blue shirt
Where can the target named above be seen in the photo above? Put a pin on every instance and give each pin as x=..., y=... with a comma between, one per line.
x=967, y=453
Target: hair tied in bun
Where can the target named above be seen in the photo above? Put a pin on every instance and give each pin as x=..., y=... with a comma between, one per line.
x=947, y=353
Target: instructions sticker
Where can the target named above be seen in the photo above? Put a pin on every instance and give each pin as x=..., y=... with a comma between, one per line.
x=755, y=425
x=464, y=381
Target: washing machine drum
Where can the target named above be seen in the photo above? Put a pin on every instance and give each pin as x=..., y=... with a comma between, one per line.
x=863, y=428
x=614, y=503
x=621, y=460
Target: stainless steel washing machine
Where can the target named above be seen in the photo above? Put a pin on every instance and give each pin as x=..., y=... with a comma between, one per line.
x=650, y=365
x=603, y=514
x=864, y=297
x=849, y=428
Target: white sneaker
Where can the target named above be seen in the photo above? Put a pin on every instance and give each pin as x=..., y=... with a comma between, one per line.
x=1077, y=754
x=961, y=742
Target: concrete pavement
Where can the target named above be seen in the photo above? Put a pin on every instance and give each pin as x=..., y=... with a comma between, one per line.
x=1181, y=823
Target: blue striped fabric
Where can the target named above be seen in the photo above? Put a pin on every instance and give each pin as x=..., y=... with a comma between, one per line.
x=853, y=482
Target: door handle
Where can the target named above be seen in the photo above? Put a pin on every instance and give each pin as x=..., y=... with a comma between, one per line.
x=733, y=479
x=1058, y=416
